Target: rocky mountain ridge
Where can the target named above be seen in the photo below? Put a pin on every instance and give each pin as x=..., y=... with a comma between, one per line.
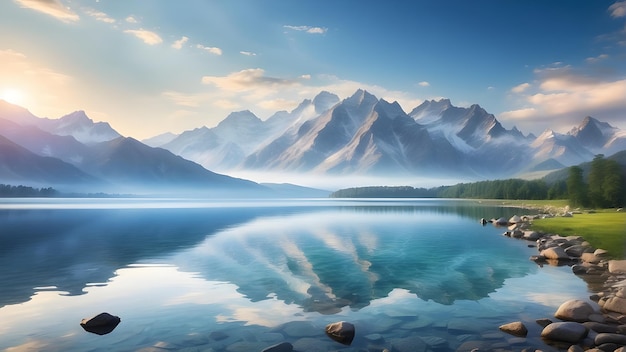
x=366, y=135
x=359, y=135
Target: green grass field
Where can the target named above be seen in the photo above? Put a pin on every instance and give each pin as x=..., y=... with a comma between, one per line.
x=604, y=229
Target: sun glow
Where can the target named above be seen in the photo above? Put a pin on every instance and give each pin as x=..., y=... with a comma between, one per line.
x=13, y=96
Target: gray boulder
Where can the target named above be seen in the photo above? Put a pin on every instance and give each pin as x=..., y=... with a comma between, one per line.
x=590, y=258
x=575, y=250
x=617, y=266
x=574, y=310
x=515, y=328
x=610, y=338
x=532, y=235
x=615, y=304
x=565, y=331
x=554, y=253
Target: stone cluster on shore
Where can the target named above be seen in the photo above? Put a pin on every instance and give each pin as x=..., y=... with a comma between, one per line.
x=597, y=325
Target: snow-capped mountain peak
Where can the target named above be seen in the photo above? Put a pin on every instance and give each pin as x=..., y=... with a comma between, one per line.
x=324, y=101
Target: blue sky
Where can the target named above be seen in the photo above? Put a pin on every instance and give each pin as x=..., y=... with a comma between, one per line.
x=148, y=67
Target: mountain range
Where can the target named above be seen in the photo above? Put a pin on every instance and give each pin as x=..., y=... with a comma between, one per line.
x=359, y=135
x=366, y=135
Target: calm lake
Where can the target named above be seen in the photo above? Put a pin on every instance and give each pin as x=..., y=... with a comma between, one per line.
x=241, y=275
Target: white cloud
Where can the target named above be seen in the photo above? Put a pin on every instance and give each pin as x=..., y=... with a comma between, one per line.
x=424, y=84
x=131, y=19
x=618, y=9
x=519, y=114
x=246, y=80
x=247, y=53
x=307, y=29
x=520, y=88
x=307, y=77
x=226, y=104
x=100, y=16
x=567, y=95
x=146, y=36
x=53, y=8
x=563, y=96
x=182, y=99
x=180, y=42
x=278, y=104
x=212, y=50
x=601, y=57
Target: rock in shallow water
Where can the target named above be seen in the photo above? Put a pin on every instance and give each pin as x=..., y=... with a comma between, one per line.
x=574, y=310
x=565, y=331
x=342, y=332
x=516, y=328
x=100, y=324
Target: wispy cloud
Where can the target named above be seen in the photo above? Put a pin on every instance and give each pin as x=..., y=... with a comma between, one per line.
x=618, y=9
x=100, y=16
x=247, y=53
x=519, y=114
x=183, y=99
x=601, y=57
x=179, y=43
x=212, y=50
x=146, y=36
x=247, y=80
x=424, y=84
x=131, y=19
x=307, y=29
x=53, y=8
x=520, y=88
x=278, y=104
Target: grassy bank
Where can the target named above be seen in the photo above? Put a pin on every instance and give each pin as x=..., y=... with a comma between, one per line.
x=604, y=229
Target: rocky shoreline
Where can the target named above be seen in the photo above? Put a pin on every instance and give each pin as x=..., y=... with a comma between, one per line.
x=595, y=325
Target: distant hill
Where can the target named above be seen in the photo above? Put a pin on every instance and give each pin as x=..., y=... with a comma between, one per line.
x=288, y=190
x=74, y=154
x=562, y=174
x=18, y=164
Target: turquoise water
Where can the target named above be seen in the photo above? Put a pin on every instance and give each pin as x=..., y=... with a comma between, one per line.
x=244, y=275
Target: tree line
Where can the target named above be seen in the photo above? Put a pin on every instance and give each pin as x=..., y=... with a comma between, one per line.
x=25, y=191
x=605, y=187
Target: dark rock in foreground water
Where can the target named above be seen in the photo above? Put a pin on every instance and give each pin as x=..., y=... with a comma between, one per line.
x=342, y=332
x=100, y=324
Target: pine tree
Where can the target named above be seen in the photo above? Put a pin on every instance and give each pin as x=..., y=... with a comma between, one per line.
x=597, y=174
x=576, y=188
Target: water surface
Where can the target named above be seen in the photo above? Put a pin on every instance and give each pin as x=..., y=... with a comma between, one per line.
x=243, y=275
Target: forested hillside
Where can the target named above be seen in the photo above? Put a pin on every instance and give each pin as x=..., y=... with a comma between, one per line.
x=600, y=183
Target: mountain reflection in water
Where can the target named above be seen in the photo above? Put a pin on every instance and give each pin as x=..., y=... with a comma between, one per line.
x=322, y=256
x=326, y=260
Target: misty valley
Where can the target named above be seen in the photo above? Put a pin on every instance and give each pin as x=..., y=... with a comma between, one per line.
x=229, y=275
